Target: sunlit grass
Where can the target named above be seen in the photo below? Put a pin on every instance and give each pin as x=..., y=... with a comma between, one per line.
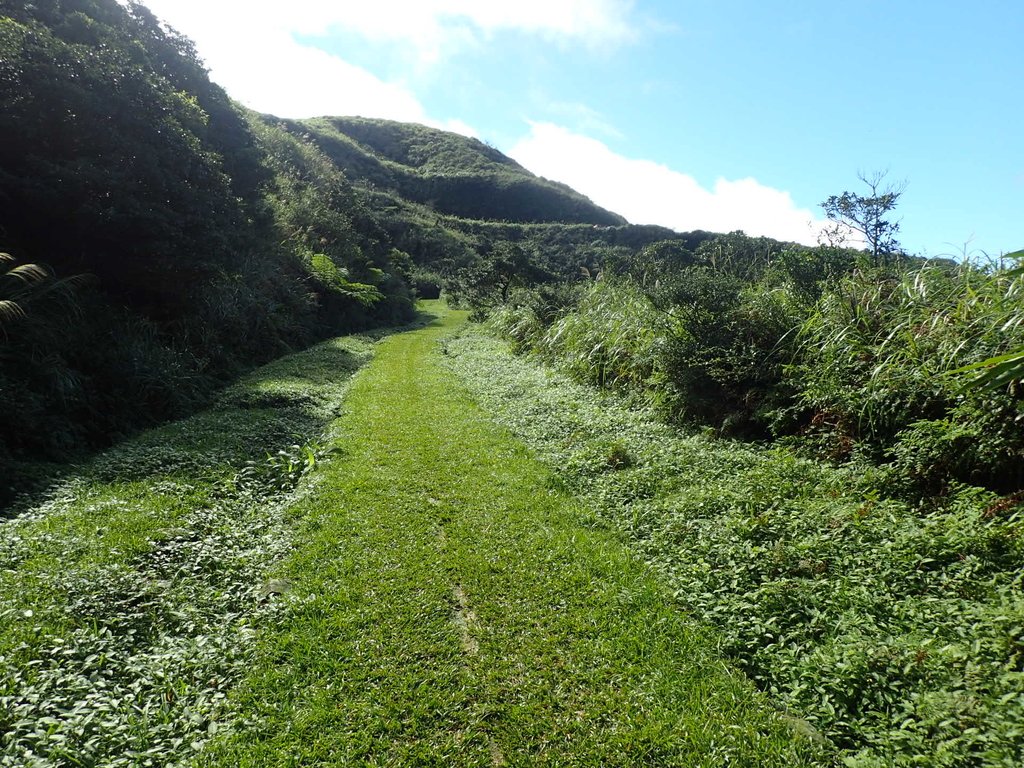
x=894, y=630
x=449, y=608
x=130, y=588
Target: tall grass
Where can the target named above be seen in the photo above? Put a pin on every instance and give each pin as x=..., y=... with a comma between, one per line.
x=855, y=365
x=614, y=338
x=874, y=369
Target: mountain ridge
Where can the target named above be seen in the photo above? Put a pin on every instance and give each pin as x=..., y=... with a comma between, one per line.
x=454, y=174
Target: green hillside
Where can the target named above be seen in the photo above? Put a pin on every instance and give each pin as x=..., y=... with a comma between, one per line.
x=681, y=499
x=450, y=173
x=158, y=239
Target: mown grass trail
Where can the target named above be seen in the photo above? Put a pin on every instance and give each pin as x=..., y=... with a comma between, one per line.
x=449, y=607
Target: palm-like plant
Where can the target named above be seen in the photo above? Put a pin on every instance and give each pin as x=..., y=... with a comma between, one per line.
x=19, y=283
x=22, y=284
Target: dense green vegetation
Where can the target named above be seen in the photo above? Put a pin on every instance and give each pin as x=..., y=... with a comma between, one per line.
x=213, y=240
x=874, y=590
x=453, y=174
x=895, y=629
x=369, y=572
x=845, y=513
x=819, y=348
x=201, y=239
x=130, y=591
x=473, y=221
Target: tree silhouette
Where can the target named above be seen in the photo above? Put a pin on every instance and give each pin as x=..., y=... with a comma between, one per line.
x=866, y=216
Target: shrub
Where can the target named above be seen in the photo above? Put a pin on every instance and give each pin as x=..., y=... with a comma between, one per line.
x=873, y=372
x=613, y=338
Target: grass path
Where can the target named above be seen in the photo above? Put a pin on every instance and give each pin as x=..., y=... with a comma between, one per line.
x=448, y=607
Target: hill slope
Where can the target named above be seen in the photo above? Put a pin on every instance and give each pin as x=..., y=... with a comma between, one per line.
x=450, y=173
x=215, y=238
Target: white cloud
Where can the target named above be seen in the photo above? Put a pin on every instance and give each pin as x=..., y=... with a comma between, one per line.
x=432, y=27
x=252, y=48
x=259, y=63
x=458, y=126
x=646, y=192
x=583, y=117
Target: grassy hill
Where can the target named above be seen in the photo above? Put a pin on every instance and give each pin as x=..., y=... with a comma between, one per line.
x=450, y=173
x=211, y=239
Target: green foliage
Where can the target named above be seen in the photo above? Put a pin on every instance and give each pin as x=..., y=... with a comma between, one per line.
x=488, y=280
x=281, y=470
x=113, y=119
x=866, y=216
x=874, y=360
x=1002, y=371
x=892, y=630
x=197, y=220
x=999, y=372
x=815, y=347
x=131, y=589
x=610, y=339
x=450, y=173
x=444, y=595
x=716, y=328
x=334, y=279
x=427, y=282
x=727, y=351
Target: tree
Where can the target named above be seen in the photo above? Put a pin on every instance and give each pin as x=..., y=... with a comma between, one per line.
x=867, y=216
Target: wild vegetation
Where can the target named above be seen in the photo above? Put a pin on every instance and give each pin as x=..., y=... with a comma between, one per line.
x=201, y=239
x=822, y=349
x=891, y=630
x=819, y=450
x=212, y=240
x=453, y=174
x=131, y=590
x=856, y=535
x=448, y=607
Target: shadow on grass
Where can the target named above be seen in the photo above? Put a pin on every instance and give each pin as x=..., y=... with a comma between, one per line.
x=287, y=402
x=426, y=318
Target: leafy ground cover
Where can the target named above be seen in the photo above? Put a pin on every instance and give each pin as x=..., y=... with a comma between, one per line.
x=897, y=631
x=448, y=606
x=130, y=592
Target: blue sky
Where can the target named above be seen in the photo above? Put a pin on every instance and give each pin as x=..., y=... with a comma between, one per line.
x=727, y=114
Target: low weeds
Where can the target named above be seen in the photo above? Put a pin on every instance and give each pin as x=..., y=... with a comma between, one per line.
x=131, y=593
x=450, y=610
x=894, y=630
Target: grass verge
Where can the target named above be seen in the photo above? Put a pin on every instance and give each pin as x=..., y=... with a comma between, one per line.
x=130, y=589
x=896, y=631
x=448, y=607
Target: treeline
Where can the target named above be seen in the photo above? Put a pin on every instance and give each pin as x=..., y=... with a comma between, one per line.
x=203, y=239
x=835, y=352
